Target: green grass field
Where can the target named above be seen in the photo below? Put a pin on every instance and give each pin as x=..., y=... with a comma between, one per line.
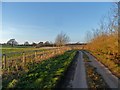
x=17, y=51
x=9, y=49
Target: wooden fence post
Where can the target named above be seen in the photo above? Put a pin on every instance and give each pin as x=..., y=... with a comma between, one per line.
x=4, y=60
x=24, y=61
x=40, y=56
x=35, y=55
x=43, y=54
x=53, y=52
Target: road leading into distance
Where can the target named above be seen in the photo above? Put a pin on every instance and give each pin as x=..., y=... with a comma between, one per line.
x=80, y=81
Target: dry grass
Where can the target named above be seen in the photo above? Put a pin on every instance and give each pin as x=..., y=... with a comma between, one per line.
x=105, y=48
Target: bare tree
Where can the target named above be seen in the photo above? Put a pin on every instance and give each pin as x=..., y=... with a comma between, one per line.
x=61, y=39
x=88, y=36
x=113, y=17
x=95, y=33
x=34, y=44
x=47, y=43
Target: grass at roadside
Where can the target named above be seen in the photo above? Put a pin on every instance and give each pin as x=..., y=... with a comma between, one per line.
x=42, y=75
x=108, y=61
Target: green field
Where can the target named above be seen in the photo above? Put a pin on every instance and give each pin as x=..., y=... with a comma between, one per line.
x=17, y=51
x=9, y=49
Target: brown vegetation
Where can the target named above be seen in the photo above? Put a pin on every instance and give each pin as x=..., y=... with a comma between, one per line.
x=104, y=44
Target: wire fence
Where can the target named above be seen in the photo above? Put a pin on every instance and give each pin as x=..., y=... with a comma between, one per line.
x=18, y=60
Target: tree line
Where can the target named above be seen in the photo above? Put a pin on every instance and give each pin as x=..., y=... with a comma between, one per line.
x=60, y=40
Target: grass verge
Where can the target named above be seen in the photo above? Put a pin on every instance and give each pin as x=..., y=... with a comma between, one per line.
x=42, y=75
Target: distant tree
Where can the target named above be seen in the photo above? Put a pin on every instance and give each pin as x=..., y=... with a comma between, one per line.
x=40, y=44
x=47, y=43
x=12, y=42
x=77, y=43
x=26, y=43
x=34, y=44
x=51, y=42
x=61, y=39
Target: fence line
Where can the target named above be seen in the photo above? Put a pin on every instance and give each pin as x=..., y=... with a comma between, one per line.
x=23, y=59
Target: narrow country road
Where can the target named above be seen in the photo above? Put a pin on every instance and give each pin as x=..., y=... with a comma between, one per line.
x=110, y=79
x=79, y=80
